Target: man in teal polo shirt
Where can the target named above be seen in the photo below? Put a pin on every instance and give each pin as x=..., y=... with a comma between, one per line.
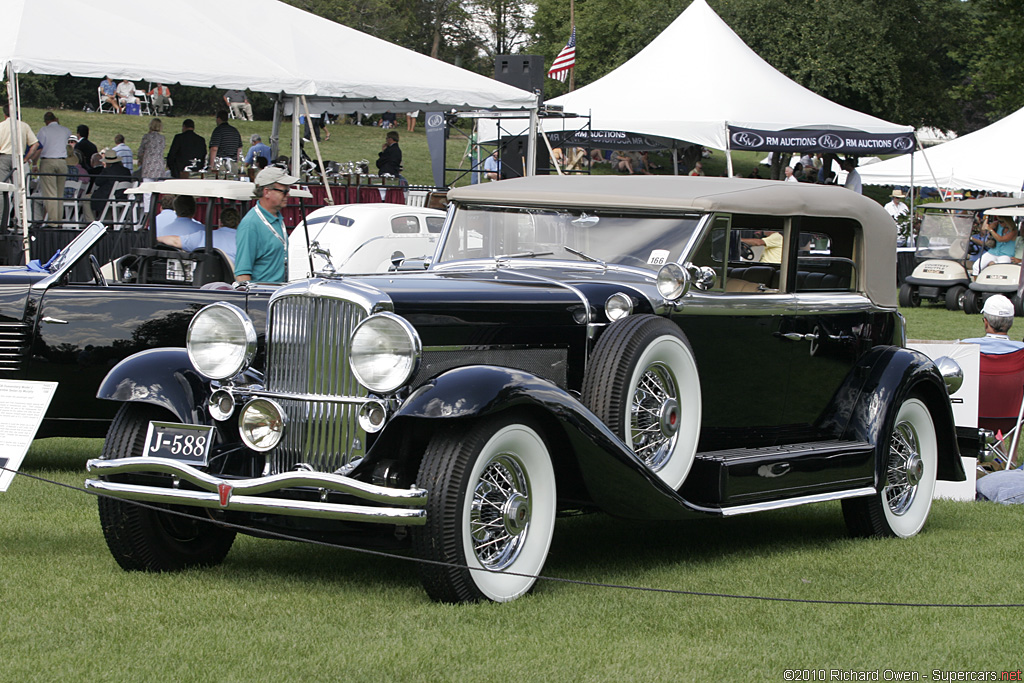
x=262, y=241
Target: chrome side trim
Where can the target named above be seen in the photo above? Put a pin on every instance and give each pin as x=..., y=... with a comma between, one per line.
x=278, y=506
x=793, y=502
x=275, y=482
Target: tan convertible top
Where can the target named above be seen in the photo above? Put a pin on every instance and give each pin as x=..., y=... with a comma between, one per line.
x=877, y=261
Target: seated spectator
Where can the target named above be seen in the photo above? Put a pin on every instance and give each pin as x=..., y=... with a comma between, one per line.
x=125, y=152
x=113, y=172
x=223, y=237
x=109, y=90
x=997, y=315
x=1002, y=232
x=621, y=162
x=184, y=223
x=160, y=96
x=258, y=149
x=492, y=166
x=640, y=164
x=166, y=214
x=387, y=120
x=698, y=169
x=239, y=104
x=126, y=93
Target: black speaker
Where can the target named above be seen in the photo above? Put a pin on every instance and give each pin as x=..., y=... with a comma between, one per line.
x=525, y=72
x=513, y=154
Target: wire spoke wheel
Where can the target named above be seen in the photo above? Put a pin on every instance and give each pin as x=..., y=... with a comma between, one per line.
x=499, y=517
x=654, y=418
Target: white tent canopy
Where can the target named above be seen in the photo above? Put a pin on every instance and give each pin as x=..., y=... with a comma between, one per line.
x=262, y=45
x=698, y=77
x=988, y=159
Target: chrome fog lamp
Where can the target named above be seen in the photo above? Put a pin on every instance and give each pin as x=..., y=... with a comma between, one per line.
x=220, y=405
x=385, y=352
x=372, y=416
x=261, y=424
x=673, y=281
x=221, y=341
x=618, y=306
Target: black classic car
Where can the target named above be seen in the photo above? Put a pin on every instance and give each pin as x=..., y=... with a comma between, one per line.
x=656, y=348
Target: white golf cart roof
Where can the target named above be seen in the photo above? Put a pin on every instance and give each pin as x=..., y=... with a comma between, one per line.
x=1012, y=211
x=199, y=187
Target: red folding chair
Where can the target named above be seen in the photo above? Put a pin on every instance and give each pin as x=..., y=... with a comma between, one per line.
x=1001, y=401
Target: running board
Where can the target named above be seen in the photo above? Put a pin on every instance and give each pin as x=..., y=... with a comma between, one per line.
x=793, y=502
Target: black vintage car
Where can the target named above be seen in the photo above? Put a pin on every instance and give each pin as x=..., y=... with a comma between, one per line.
x=575, y=344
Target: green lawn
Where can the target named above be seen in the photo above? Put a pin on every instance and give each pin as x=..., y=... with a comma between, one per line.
x=278, y=610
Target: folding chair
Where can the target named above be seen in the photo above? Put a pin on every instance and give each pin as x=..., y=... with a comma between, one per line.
x=1001, y=403
x=143, y=99
x=104, y=107
x=72, y=198
x=118, y=209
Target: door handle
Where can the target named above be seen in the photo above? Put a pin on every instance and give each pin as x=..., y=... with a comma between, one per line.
x=54, y=321
x=796, y=336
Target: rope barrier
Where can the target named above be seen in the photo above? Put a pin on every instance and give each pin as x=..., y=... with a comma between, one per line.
x=539, y=577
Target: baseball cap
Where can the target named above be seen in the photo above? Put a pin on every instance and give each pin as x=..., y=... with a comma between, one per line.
x=273, y=174
x=998, y=306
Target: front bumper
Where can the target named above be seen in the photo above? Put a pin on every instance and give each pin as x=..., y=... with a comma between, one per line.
x=246, y=495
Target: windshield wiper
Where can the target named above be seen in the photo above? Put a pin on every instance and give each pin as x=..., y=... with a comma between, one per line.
x=583, y=256
x=523, y=254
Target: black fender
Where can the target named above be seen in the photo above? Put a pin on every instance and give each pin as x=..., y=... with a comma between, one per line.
x=866, y=404
x=162, y=377
x=616, y=480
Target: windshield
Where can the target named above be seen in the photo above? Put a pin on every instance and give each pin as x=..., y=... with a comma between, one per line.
x=944, y=234
x=500, y=233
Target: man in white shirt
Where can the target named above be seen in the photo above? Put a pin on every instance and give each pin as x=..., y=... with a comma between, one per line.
x=849, y=164
x=896, y=208
x=53, y=166
x=997, y=314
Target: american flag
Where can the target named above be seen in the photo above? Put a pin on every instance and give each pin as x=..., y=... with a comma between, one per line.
x=565, y=60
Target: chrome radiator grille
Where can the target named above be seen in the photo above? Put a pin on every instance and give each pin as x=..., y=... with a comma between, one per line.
x=307, y=356
x=14, y=341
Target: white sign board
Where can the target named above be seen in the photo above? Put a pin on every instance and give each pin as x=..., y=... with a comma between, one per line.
x=22, y=406
x=965, y=407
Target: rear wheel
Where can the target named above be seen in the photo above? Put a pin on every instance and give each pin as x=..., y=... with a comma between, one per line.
x=955, y=296
x=910, y=297
x=491, y=510
x=143, y=539
x=901, y=505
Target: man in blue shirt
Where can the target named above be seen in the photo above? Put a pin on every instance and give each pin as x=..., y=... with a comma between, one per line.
x=262, y=241
x=184, y=223
x=223, y=237
x=997, y=315
x=258, y=149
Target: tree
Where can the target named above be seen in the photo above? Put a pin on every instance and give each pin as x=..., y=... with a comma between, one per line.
x=994, y=85
x=507, y=24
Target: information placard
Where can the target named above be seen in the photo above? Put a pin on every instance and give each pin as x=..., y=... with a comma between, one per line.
x=22, y=406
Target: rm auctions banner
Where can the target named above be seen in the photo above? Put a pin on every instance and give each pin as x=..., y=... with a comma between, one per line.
x=602, y=139
x=849, y=142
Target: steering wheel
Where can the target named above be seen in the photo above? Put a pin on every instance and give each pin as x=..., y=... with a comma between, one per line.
x=746, y=253
x=97, y=274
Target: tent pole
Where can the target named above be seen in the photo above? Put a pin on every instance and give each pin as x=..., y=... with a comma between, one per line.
x=728, y=152
x=319, y=158
x=17, y=157
x=296, y=139
x=551, y=153
x=275, y=130
x=530, y=169
x=675, y=159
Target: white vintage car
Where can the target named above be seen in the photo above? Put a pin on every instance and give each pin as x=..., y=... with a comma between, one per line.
x=361, y=238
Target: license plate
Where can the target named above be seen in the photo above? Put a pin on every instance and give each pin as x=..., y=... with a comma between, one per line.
x=179, y=271
x=185, y=443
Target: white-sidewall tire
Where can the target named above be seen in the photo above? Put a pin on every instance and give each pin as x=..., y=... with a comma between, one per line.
x=913, y=413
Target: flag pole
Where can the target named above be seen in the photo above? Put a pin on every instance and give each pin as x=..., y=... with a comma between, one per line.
x=572, y=26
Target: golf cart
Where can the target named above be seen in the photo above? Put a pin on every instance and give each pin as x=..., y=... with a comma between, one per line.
x=997, y=278
x=943, y=252
x=164, y=264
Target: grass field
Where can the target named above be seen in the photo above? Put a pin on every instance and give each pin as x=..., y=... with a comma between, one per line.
x=280, y=610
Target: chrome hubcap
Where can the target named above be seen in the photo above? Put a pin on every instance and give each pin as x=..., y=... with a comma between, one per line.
x=655, y=416
x=499, y=517
x=905, y=469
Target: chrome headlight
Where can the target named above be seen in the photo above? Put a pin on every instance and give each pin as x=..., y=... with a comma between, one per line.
x=261, y=424
x=385, y=352
x=221, y=341
x=673, y=281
